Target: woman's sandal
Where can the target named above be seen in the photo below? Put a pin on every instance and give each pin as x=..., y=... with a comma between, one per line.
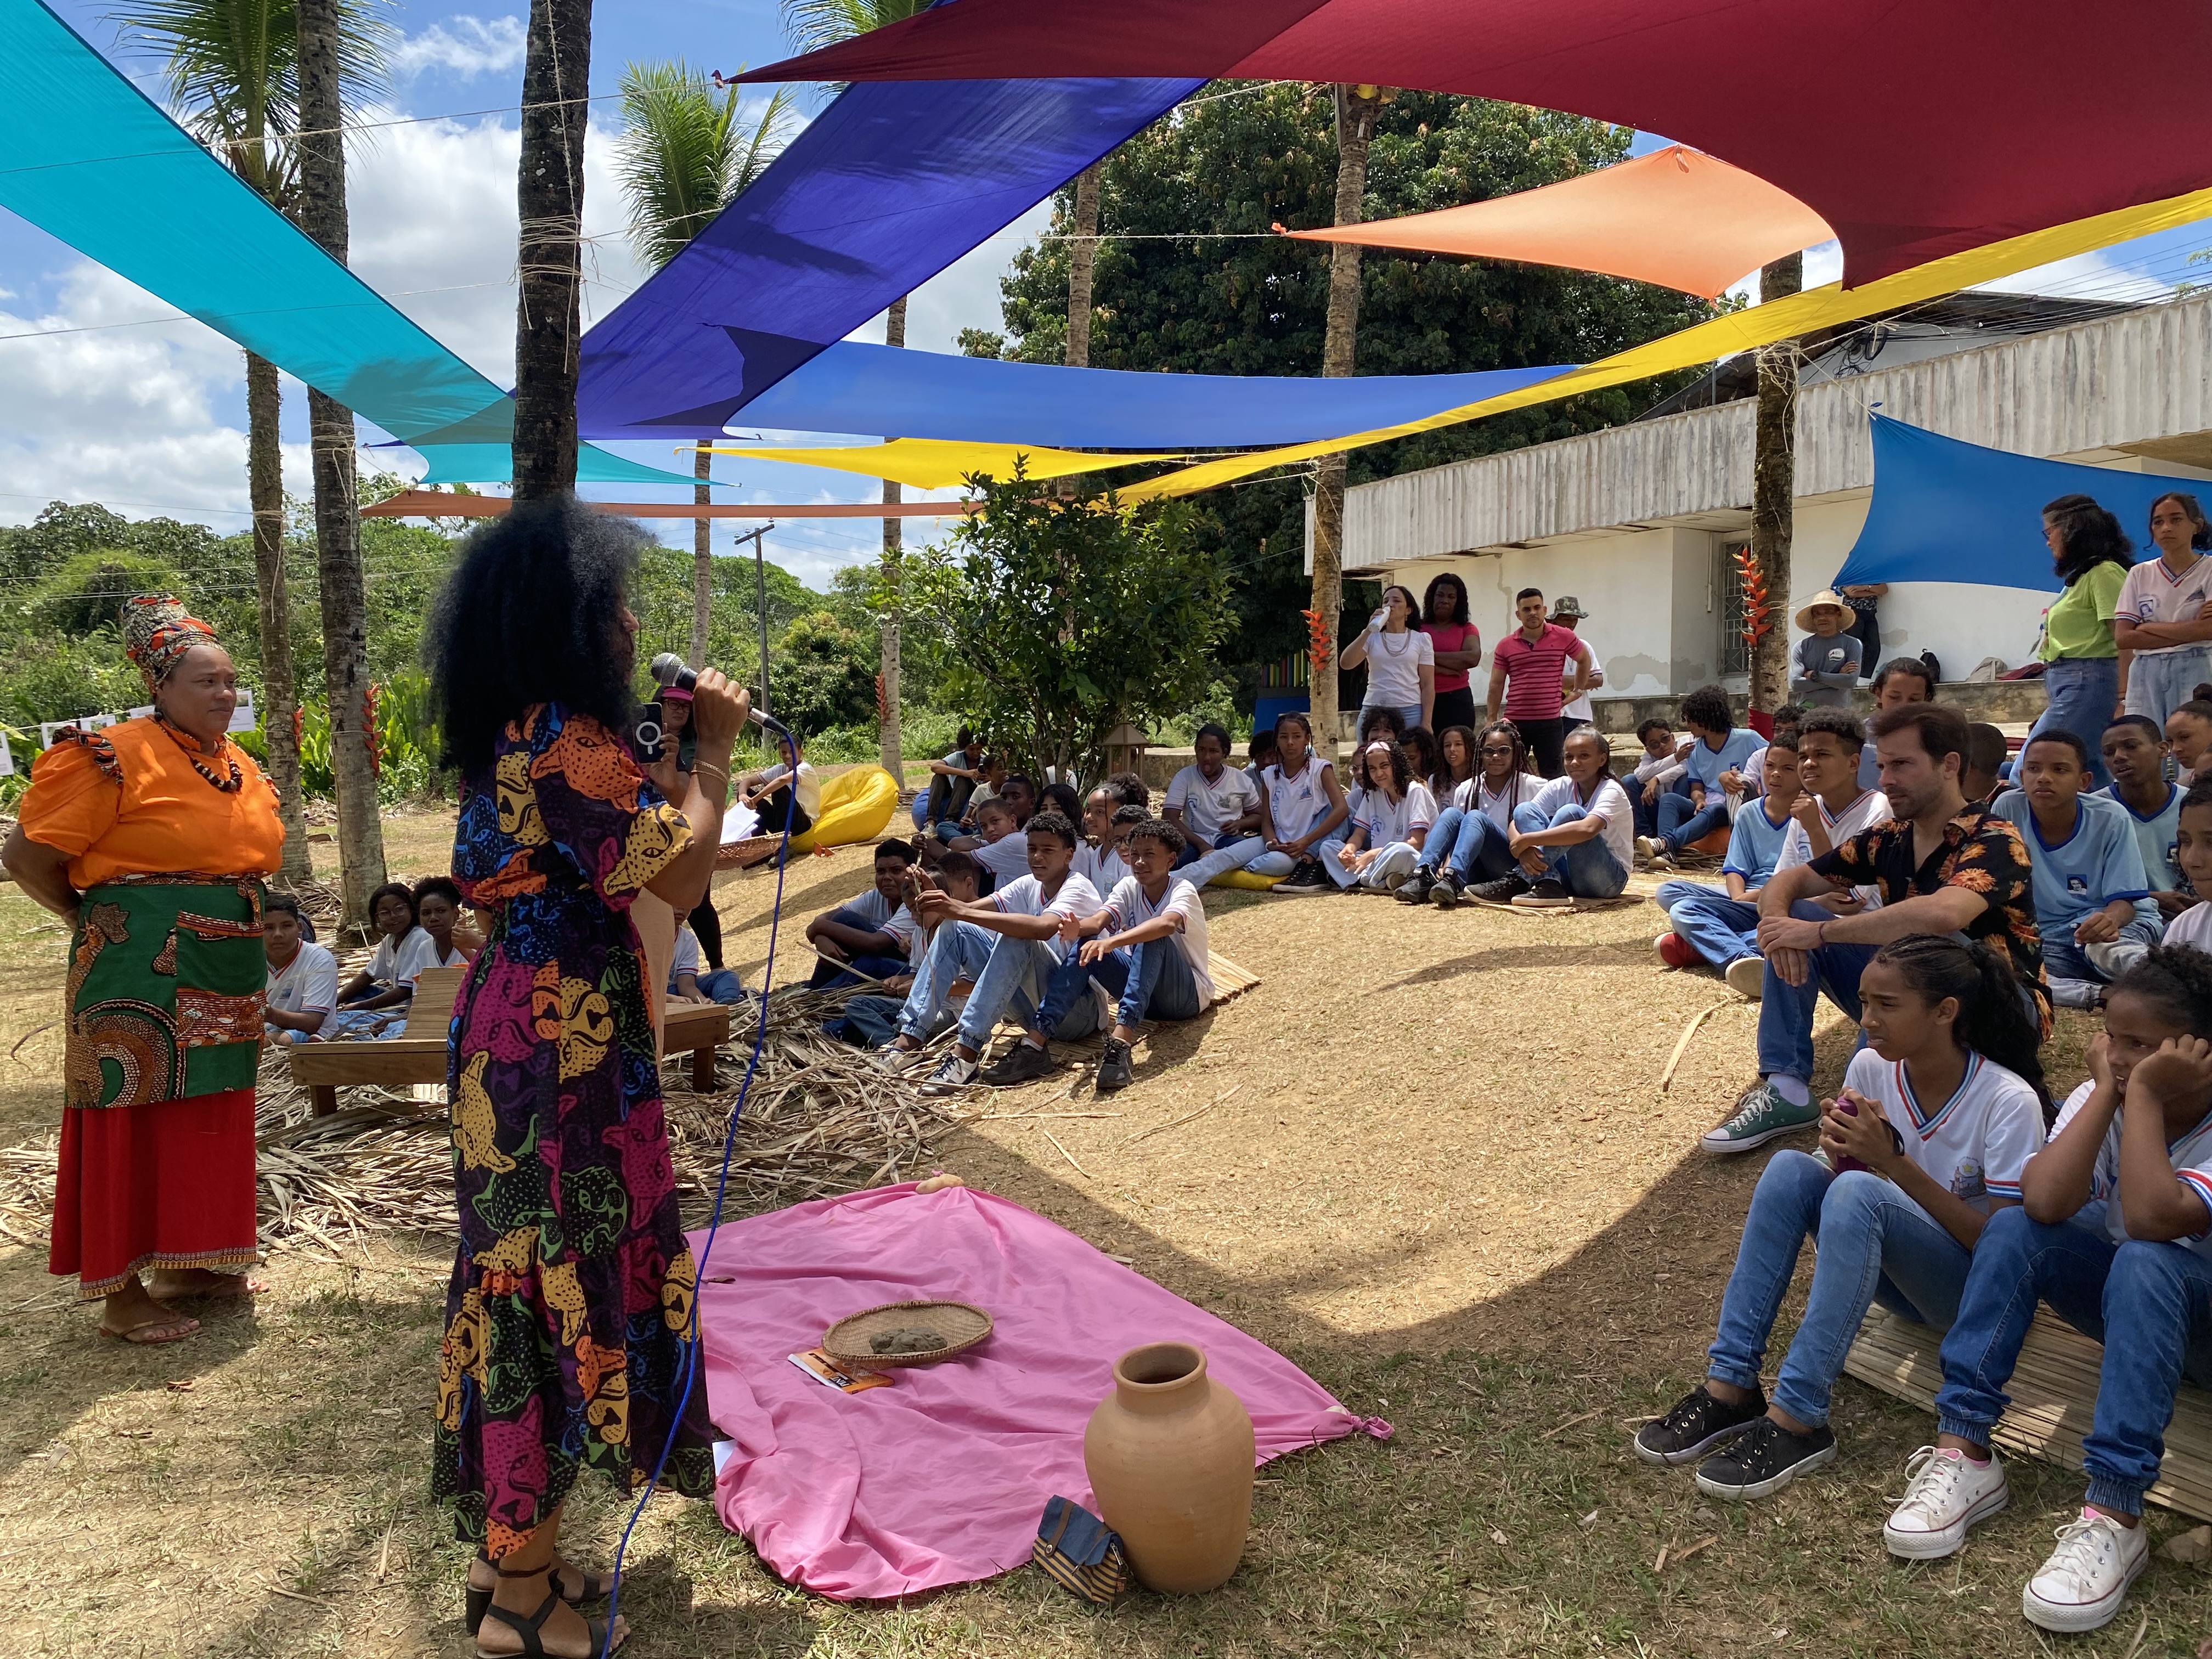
x=528, y=1625
x=595, y=1589
x=175, y=1327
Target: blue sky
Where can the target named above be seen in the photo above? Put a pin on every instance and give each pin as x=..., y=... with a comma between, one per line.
x=101, y=399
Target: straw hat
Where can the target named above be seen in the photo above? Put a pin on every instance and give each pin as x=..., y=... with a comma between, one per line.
x=1826, y=596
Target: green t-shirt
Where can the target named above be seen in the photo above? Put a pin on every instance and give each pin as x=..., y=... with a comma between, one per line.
x=2080, y=623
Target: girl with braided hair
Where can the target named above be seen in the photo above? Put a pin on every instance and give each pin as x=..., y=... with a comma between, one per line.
x=1938, y=1115
x=2115, y=1232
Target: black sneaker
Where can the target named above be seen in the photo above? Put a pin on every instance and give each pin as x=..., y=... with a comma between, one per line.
x=1024, y=1063
x=1416, y=887
x=1113, y=1070
x=1764, y=1459
x=1445, y=895
x=1308, y=878
x=1549, y=894
x=1696, y=1425
x=1504, y=891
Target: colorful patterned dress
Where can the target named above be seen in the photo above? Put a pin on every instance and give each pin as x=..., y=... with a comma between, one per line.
x=573, y=1286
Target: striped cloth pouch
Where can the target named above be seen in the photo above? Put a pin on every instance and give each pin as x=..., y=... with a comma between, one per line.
x=1076, y=1548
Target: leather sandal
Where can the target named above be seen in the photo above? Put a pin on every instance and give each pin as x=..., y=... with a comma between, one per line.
x=528, y=1626
x=475, y=1601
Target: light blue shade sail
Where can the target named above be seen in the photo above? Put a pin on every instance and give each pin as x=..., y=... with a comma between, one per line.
x=1945, y=511
x=495, y=464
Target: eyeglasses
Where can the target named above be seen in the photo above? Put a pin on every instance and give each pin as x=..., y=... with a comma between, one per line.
x=1496, y=749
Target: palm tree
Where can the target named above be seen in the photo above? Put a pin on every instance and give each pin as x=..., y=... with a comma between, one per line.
x=1356, y=108
x=683, y=158
x=556, y=73
x=325, y=90
x=233, y=68
x=813, y=25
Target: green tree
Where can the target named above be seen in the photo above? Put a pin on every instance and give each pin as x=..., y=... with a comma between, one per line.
x=683, y=158
x=1246, y=303
x=233, y=68
x=813, y=25
x=823, y=674
x=1066, y=614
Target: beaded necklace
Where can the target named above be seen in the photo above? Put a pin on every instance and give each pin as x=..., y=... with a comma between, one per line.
x=193, y=752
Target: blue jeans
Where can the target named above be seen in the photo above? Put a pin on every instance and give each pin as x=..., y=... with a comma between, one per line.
x=2064, y=959
x=1153, y=978
x=1469, y=845
x=2082, y=691
x=722, y=985
x=1230, y=853
x=2160, y=683
x=1785, y=1011
x=1873, y=1243
x=1681, y=822
x=919, y=811
x=1005, y=972
x=1588, y=869
x=1647, y=818
x=2150, y=1305
x=1719, y=928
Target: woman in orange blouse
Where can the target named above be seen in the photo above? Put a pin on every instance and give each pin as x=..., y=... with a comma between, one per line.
x=151, y=838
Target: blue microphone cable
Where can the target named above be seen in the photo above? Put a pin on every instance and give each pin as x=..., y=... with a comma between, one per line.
x=692, y=1342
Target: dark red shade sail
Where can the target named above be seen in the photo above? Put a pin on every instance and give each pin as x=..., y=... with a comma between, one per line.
x=1916, y=128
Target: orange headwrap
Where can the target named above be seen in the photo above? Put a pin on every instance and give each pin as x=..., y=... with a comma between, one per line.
x=157, y=631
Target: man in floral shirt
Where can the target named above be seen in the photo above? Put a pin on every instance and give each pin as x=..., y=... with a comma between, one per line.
x=1941, y=866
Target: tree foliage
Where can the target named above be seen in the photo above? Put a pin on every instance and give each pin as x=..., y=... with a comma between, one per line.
x=1244, y=302
x=823, y=677
x=683, y=156
x=1066, y=614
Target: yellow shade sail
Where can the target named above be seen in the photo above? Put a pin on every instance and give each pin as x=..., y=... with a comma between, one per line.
x=1740, y=330
x=941, y=464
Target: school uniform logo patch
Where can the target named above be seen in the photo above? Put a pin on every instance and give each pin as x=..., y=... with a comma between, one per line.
x=2077, y=884
x=1968, y=1181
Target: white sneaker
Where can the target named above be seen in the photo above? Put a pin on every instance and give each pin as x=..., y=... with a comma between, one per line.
x=1746, y=977
x=893, y=1059
x=954, y=1073
x=2082, y=1585
x=1655, y=850
x=1948, y=1492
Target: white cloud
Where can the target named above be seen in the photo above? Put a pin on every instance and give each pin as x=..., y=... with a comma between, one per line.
x=2086, y=277
x=464, y=45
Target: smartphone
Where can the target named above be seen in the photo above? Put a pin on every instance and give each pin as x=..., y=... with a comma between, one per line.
x=645, y=737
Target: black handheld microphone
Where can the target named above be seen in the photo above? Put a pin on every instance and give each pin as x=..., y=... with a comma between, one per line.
x=669, y=669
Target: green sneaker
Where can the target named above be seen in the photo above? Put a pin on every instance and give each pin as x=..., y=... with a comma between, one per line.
x=1761, y=1113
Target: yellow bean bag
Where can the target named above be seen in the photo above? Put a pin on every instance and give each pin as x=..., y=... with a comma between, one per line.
x=1249, y=881
x=855, y=807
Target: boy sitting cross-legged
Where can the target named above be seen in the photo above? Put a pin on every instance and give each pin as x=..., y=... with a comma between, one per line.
x=2115, y=1232
x=1145, y=946
x=1722, y=927
x=1008, y=945
x=2093, y=904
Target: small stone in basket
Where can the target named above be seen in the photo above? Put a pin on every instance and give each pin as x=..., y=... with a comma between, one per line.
x=907, y=1338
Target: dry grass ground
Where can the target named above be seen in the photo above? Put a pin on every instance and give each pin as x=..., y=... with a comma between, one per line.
x=1433, y=1165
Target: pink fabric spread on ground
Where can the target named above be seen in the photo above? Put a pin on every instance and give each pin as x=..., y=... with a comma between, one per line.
x=940, y=1479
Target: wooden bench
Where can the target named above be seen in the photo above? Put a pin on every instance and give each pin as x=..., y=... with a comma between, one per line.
x=2054, y=1396
x=418, y=1053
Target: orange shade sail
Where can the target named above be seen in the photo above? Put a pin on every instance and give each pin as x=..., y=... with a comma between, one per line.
x=1677, y=217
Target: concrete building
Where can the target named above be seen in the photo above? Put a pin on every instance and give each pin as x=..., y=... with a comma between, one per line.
x=1638, y=521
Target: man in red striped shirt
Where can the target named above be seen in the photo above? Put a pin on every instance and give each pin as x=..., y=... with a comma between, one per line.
x=1527, y=674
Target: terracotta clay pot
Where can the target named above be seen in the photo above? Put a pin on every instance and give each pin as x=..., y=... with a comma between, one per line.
x=1169, y=1456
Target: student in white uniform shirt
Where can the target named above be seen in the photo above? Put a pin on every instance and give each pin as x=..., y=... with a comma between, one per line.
x=1389, y=825
x=2115, y=1234
x=2193, y=850
x=303, y=976
x=2164, y=613
x=1145, y=946
x=1831, y=807
x=997, y=845
x=686, y=983
x=1301, y=807
x=374, y=1003
x=870, y=1019
x=1577, y=838
x=1008, y=944
x=1103, y=865
x=1471, y=841
x=1922, y=1148
x=860, y=931
x=1216, y=807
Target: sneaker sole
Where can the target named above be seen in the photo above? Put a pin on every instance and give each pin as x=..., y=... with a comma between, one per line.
x=1748, y=1143
x=1751, y=982
x=1934, y=1545
x=2074, y=1618
x=1689, y=1454
x=1773, y=1483
x=1530, y=902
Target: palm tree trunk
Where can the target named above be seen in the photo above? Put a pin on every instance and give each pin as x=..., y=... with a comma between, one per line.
x=280, y=697
x=337, y=507
x=1082, y=253
x=887, y=695
x=550, y=199
x=702, y=560
x=1773, y=488
x=1356, y=110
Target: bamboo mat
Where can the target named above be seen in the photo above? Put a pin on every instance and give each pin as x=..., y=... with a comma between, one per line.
x=2053, y=1391
x=1229, y=980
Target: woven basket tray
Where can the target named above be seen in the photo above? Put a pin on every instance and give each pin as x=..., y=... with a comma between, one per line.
x=963, y=1324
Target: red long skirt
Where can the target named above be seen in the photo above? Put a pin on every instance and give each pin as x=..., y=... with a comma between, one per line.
x=168, y=1184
